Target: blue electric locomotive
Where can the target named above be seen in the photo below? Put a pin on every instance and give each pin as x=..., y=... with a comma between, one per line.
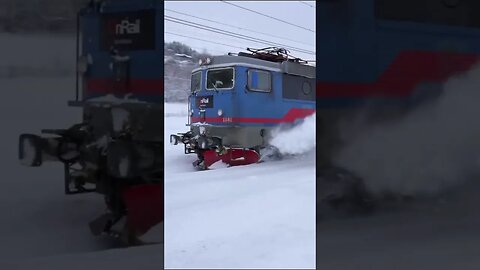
x=117, y=148
x=384, y=58
x=236, y=101
x=388, y=56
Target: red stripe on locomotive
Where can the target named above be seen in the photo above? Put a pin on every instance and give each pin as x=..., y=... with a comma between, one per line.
x=134, y=86
x=290, y=116
x=409, y=69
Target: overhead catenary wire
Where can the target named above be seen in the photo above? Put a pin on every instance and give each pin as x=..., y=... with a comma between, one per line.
x=248, y=39
x=268, y=16
x=241, y=28
x=209, y=41
x=232, y=46
x=235, y=35
x=305, y=3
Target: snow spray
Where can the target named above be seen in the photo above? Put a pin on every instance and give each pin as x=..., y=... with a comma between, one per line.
x=431, y=149
x=296, y=140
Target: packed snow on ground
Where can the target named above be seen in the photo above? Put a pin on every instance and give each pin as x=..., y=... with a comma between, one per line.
x=255, y=216
x=176, y=109
x=41, y=227
x=441, y=233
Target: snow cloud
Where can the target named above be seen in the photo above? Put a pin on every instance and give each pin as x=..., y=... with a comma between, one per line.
x=433, y=148
x=298, y=139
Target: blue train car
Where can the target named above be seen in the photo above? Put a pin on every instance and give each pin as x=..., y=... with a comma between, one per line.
x=117, y=148
x=236, y=101
x=388, y=56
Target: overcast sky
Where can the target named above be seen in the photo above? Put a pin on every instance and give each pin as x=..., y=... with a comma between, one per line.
x=296, y=12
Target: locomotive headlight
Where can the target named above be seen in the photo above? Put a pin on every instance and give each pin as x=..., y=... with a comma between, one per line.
x=29, y=151
x=173, y=140
x=220, y=112
x=202, y=143
x=121, y=160
x=82, y=64
x=205, y=61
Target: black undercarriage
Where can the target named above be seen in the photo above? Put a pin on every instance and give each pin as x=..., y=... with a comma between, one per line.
x=95, y=161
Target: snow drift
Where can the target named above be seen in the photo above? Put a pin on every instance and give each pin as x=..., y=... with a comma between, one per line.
x=429, y=150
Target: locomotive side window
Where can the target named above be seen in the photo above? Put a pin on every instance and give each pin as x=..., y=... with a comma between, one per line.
x=298, y=87
x=259, y=80
x=196, y=81
x=220, y=79
x=306, y=88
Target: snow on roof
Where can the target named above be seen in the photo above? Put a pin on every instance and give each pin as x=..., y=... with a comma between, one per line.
x=111, y=99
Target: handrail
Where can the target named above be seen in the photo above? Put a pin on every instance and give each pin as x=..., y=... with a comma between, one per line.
x=77, y=56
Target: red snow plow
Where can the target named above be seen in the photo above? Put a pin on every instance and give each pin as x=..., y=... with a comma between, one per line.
x=232, y=157
x=143, y=209
x=124, y=172
x=210, y=151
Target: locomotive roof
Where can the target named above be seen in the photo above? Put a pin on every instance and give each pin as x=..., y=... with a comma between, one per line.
x=285, y=67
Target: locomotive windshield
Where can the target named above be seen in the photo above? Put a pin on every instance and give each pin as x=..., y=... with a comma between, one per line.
x=196, y=80
x=221, y=78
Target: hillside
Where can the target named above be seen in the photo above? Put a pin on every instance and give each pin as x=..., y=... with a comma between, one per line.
x=179, y=62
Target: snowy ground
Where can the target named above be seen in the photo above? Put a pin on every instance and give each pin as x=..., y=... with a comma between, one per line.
x=256, y=216
x=436, y=234
x=41, y=227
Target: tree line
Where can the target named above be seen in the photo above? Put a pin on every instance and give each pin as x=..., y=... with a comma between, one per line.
x=39, y=15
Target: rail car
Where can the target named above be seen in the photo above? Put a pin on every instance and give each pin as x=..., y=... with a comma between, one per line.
x=116, y=149
x=238, y=99
x=384, y=59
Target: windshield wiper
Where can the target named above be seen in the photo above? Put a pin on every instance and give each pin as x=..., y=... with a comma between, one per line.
x=214, y=87
x=195, y=87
